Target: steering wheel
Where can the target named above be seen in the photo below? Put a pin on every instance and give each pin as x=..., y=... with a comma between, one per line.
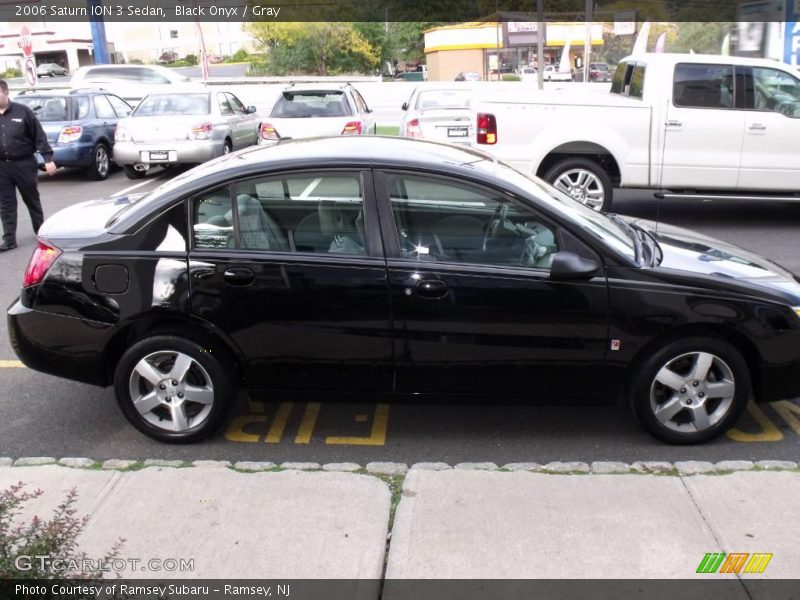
x=498, y=217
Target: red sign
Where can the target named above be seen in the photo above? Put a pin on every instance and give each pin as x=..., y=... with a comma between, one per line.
x=26, y=41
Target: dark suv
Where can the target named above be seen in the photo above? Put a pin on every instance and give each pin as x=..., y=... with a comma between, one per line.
x=80, y=126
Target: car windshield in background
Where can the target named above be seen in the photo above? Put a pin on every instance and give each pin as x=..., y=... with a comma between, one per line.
x=301, y=105
x=46, y=109
x=442, y=99
x=173, y=104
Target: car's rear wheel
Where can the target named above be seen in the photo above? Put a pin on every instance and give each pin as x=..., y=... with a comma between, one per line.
x=690, y=391
x=132, y=173
x=101, y=163
x=174, y=389
x=583, y=180
x=227, y=147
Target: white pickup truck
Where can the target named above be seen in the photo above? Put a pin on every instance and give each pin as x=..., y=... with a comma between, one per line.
x=684, y=124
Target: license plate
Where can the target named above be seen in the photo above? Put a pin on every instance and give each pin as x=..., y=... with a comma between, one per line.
x=159, y=155
x=457, y=132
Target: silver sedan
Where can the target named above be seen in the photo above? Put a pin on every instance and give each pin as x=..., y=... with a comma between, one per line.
x=188, y=127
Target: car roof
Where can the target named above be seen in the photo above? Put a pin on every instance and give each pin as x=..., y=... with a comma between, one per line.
x=356, y=152
x=322, y=86
x=716, y=59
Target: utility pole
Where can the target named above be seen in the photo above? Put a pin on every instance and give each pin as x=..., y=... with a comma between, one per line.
x=587, y=42
x=98, y=28
x=540, y=33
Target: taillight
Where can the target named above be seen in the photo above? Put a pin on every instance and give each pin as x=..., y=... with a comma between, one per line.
x=201, y=131
x=69, y=134
x=487, y=128
x=268, y=132
x=42, y=259
x=352, y=128
x=413, y=129
x=122, y=135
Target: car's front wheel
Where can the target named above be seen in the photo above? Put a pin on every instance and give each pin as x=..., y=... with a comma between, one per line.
x=691, y=391
x=174, y=389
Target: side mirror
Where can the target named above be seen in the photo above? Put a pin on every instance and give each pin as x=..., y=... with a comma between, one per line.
x=405, y=106
x=250, y=110
x=567, y=266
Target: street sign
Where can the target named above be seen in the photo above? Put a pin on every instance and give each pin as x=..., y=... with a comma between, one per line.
x=26, y=41
x=30, y=72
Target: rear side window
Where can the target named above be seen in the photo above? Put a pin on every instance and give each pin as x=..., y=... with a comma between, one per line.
x=311, y=104
x=703, y=86
x=636, y=88
x=102, y=108
x=618, y=83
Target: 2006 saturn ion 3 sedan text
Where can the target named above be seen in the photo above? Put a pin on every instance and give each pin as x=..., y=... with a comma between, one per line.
x=393, y=266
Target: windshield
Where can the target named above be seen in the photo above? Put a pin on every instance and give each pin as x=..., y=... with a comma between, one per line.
x=443, y=99
x=46, y=109
x=311, y=104
x=173, y=104
x=600, y=225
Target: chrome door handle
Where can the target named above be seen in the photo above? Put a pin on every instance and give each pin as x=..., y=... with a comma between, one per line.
x=673, y=123
x=757, y=127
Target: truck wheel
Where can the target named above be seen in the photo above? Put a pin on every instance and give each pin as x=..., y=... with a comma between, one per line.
x=583, y=180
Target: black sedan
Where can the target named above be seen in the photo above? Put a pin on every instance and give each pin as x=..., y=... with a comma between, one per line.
x=388, y=267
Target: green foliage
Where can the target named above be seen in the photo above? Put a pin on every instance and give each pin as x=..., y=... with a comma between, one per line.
x=509, y=77
x=190, y=60
x=56, y=538
x=135, y=61
x=258, y=69
x=12, y=72
x=319, y=48
x=703, y=38
x=240, y=56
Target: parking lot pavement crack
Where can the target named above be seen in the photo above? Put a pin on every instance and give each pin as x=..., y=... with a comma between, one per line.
x=108, y=489
x=395, y=483
x=710, y=527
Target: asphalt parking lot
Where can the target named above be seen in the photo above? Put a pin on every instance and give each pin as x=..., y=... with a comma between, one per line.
x=44, y=416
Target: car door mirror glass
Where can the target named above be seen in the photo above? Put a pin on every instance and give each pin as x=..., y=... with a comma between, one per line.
x=568, y=265
x=405, y=106
x=251, y=109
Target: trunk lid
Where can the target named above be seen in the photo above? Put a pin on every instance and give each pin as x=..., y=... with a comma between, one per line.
x=163, y=129
x=446, y=124
x=310, y=127
x=86, y=219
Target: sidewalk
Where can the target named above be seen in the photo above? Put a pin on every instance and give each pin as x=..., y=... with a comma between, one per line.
x=475, y=521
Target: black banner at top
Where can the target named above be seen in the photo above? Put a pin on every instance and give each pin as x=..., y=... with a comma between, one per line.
x=390, y=10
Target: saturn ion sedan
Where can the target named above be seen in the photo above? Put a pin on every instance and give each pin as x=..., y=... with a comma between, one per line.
x=186, y=127
x=398, y=268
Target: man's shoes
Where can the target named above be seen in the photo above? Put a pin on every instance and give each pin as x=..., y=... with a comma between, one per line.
x=7, y=246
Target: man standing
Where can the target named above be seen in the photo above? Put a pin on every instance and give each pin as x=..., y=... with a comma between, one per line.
x=21, y=135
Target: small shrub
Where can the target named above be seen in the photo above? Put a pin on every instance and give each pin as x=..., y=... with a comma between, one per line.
x=135, y=61
x=511, y=78
x=190, y=60
x=258, y=69
x=12, y=72
x=240, y=56
x=55, y=538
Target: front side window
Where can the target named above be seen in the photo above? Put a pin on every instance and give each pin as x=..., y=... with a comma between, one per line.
x=703, y=86
x=446, y=221
x=235, y=103
x=776, y=91
x=317, y=213
x=225, y=108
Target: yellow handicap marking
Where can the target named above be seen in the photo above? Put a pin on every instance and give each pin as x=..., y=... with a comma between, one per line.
x=11, y=364
x=787, y=410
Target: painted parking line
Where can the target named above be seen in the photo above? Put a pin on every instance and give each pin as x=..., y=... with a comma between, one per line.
x=11, y=364
x=136, y=186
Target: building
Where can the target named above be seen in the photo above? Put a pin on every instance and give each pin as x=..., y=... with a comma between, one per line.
x=66, y=44
x=491, y=46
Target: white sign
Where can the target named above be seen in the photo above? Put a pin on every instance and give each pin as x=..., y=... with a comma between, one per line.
x=515, y=27
x=30, y=72
x=625, y=23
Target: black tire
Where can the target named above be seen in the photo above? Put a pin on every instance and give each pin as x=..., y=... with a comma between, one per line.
x=573, y=164
x=101, y=163
x=132, y=173
x=208, y=367
x=227, y=147
x=647, y=394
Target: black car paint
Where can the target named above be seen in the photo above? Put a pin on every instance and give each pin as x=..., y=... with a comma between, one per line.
x=357, y=324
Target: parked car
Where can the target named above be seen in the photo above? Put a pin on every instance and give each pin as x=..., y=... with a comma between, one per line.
x=599, y=72
x=670, y=122
x=527, y=73
x=317, y=109
x=131, y=82
x=80, y=126
x=183, y=128
x=468, y=76
x=411, y=76
x=50, y=70
x=389, y=266
x=438, y=113
x=551, y=73
x=216, y=58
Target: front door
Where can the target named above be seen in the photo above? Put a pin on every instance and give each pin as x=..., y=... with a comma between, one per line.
x=283, y=265
x=474, y=308
x=772, y=132
x=702, y=131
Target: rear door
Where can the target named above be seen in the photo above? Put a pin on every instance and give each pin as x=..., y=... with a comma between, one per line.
x=106, y=117
x=770, y=157
x=291, y=267
x=703, y=132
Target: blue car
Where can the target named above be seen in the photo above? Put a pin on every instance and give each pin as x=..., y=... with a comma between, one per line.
x=80, y=126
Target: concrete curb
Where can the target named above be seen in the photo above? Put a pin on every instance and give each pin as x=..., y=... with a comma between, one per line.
x=682, y=468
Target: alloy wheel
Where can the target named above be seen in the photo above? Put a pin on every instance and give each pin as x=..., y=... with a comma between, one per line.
x=171, y=391
x=582, y=185
x=692, y=392
x=102, y=162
